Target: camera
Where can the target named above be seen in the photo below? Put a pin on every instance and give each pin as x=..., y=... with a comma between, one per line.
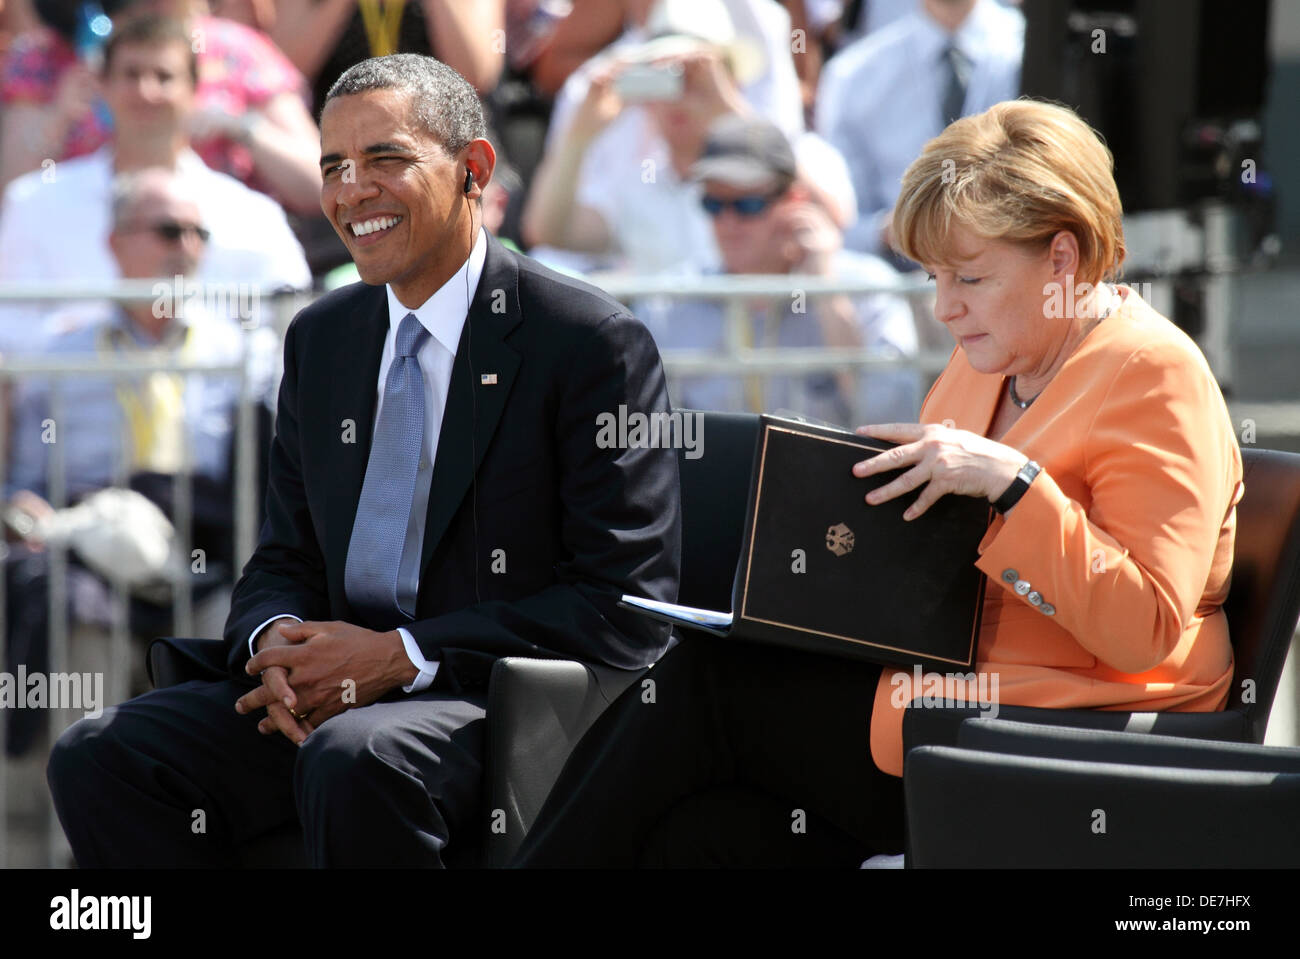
x=645, y=82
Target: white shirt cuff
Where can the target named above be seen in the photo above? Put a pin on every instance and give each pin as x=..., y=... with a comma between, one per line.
x=251, y=639
x=428, y=668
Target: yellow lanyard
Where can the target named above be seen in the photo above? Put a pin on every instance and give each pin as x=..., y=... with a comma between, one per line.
x=758, y=316
x=154, y=408
x=383, y=21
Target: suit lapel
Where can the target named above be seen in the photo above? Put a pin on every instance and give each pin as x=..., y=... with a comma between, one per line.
x=474, y=408
x=359, y=348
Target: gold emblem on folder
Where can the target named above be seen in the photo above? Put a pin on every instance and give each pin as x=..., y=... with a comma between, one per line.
x=839, y=539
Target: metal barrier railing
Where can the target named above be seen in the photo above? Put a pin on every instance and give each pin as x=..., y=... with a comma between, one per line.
x=1274, y=418
x=57, y=372
x=751, y=366
x=734, y=290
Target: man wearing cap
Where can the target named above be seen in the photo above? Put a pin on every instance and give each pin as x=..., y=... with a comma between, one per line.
x=765, y=222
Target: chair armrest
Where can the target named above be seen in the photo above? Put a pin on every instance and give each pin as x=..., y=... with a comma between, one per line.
x=938, y=725
x=538, y=710
x=1092, y=745
x=171, y=661
x=967, y=808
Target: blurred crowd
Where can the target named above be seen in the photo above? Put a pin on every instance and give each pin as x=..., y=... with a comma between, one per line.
x=678, y=138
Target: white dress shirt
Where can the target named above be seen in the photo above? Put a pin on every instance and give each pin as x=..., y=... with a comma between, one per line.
x=443, y=315
x=874, y=15
x=54, y=229
x=879, y=99
x=653, y=214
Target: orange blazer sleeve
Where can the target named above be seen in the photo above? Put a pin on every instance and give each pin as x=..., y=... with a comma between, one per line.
x=1127, y=575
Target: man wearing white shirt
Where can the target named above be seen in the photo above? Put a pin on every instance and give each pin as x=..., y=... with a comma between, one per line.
x=882, y=98
x=438, y=498
x=612, y=189
x=612, y=184
x=54, y=222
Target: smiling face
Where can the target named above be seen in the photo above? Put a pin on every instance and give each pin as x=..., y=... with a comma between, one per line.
x=394, y=194
x=991, y=298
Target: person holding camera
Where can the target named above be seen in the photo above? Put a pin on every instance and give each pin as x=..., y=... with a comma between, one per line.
x=654, y=102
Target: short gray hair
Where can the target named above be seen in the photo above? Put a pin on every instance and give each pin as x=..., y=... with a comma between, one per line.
x=443, y=101
x=129, y=188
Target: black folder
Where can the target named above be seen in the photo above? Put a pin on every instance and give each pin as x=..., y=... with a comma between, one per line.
x=822, y=570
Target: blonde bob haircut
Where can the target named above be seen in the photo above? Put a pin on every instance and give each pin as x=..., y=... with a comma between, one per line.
x=1019, y=172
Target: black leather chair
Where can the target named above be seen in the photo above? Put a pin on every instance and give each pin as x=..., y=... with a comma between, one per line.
x=1029, y=795
x=538, y=709
x=1262, y=607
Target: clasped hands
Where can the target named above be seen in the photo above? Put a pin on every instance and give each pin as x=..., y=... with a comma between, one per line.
x=312, y=671
x=945, y=459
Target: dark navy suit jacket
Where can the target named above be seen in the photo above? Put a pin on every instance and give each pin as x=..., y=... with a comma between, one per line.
x=576, y=525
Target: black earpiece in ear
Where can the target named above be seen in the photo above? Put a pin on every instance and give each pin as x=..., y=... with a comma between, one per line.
x=469, y=180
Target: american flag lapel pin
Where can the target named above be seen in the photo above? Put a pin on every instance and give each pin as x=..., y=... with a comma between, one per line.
x=488, y=379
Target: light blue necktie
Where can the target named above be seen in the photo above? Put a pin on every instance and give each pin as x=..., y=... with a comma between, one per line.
x=379, y=532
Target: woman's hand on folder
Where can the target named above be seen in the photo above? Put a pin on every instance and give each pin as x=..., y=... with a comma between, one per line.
x=944, y=460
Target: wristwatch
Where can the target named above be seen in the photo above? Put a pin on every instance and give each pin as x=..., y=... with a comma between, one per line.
x=1018, y=486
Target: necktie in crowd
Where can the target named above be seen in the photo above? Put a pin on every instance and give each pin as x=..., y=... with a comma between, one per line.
x=958, y=67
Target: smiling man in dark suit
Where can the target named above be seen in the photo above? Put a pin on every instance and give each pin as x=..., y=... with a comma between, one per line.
x=437, y=499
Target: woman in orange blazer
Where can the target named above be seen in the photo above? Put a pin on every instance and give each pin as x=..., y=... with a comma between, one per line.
x=1095, y=428
x=1108, y=573
x=1107, y=577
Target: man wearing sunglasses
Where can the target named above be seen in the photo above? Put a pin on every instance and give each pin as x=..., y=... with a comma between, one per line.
x=137, y=429
x=766, y=220
x=170, y=231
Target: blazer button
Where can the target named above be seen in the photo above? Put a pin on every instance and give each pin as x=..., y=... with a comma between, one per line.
x=1035, y=598
x=1022, y=587
x=1010, y=575
x=1047, y=609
